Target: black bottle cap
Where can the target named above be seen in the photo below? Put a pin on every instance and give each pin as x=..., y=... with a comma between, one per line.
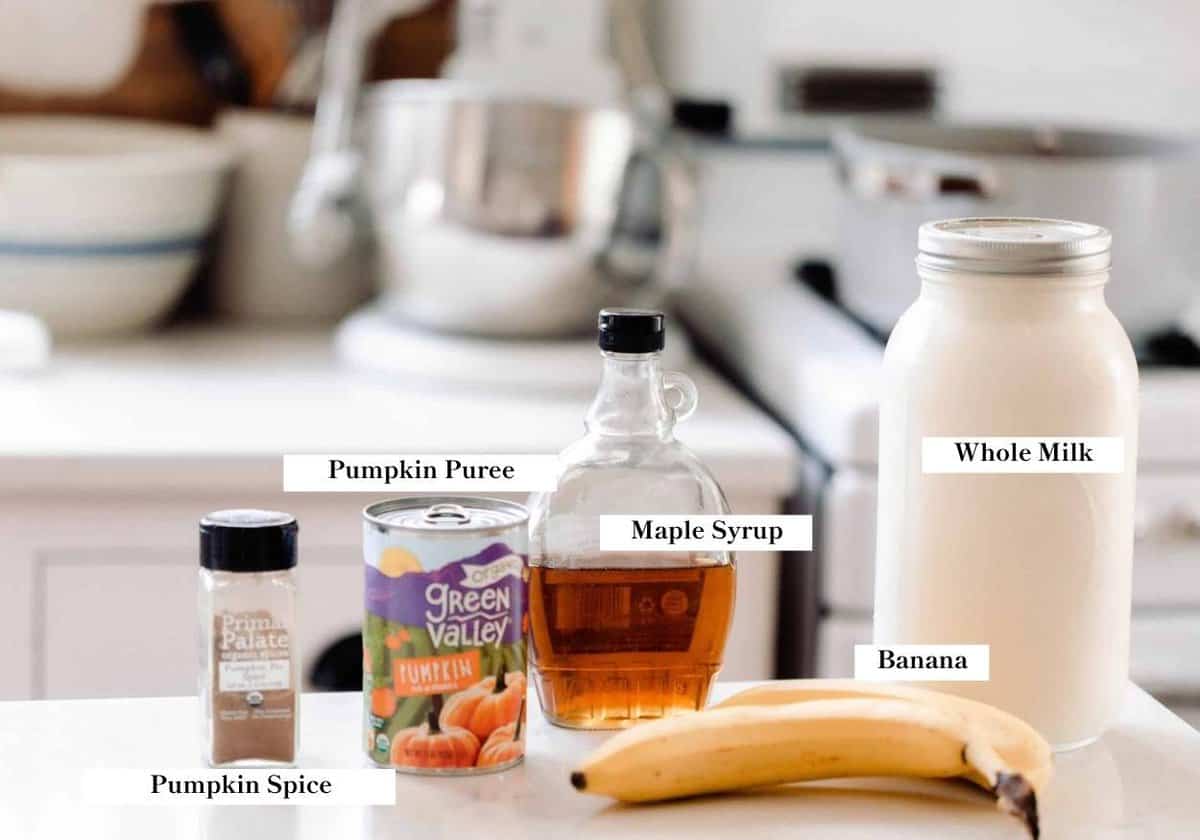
x=248, y=541
x=632, y=330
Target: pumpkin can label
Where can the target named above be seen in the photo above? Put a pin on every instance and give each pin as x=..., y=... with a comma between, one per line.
x=444, y=655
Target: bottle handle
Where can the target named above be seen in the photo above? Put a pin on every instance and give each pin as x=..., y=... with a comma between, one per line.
x=683, y=407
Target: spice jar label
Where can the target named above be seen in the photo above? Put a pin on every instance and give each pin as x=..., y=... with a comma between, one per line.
x=254, y=699
x=255, y=676
x=253, y=652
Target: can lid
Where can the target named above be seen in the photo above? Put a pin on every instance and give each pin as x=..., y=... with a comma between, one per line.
x=246, y=540
x=631, y=330
x=446, y=513
x=1014, y=245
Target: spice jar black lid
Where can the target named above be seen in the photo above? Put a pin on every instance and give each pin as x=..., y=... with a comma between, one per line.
x=632, y=330
x=246, y=540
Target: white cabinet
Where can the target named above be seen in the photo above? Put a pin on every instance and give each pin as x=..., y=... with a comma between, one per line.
x=1166, y=578
x=109, y=459
x=1154, y=645
x=119, y=622
x=100, y=597
x=100, y=592
x=1166, y=574
x=114, y=623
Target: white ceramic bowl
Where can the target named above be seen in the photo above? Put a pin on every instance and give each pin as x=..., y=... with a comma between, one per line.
x=103, y=220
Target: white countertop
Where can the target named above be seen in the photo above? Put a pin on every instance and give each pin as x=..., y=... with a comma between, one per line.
x=231, y=399
x=1139, y=781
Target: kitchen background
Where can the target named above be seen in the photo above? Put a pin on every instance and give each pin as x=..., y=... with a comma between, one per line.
x=189, y=296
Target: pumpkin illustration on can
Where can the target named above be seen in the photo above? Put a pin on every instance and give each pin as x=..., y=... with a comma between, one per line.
x=487, y=706
x=432, y=745
x=504, y=746
x=383, y=702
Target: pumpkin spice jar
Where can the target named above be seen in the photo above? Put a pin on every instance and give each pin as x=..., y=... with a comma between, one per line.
x=249, y=667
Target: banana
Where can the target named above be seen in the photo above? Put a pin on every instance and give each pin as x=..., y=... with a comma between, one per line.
x=750, y=746
x=1018, y=743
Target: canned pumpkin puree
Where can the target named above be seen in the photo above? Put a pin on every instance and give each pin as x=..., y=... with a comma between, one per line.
x=444, y=634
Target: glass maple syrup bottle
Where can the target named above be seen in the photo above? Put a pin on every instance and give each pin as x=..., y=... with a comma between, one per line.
x=619, y=637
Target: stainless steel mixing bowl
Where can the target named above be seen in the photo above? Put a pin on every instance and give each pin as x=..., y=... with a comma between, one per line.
x=496, y=215
x=500, y=216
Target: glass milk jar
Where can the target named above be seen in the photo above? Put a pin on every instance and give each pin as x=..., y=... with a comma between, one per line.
x=1028, y=550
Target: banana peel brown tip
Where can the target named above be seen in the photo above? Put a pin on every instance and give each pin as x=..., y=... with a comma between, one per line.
x=1016, y=796
x=578, y=781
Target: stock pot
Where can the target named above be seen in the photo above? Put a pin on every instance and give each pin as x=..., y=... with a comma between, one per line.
x=895, y=176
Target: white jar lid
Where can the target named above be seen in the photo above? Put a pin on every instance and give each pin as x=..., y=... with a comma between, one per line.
x=1014, y=245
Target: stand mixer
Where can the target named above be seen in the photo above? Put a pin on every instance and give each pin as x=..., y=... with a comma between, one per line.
x=509, y=201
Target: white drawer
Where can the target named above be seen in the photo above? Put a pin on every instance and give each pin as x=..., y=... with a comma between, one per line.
x=1163, y=653
x=836, y=638
x=1160, y=650
x=847, y=535
x=1166, y=570
x=119, y=622
x=103, y=603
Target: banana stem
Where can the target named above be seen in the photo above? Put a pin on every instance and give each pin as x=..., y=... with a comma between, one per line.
x=1014, y=795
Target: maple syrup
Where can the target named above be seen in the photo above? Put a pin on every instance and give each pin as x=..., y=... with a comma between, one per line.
x=614, y=645
x=621, y=636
